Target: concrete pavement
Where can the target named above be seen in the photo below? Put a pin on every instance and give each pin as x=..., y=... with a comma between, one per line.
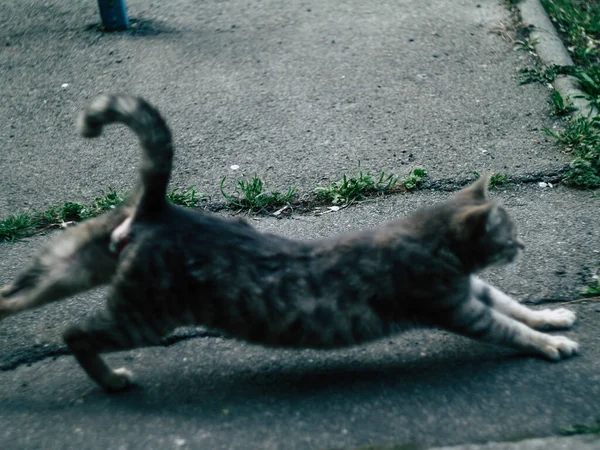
x=296, y=92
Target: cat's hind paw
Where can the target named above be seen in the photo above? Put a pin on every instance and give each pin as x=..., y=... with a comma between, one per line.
x=553, y=319
x=120, y=380
x=559, y=347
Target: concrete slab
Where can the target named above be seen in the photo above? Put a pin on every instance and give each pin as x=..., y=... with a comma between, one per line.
x=423, y=388
x=295, y=92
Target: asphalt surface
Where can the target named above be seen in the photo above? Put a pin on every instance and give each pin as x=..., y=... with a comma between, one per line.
x=296, y=92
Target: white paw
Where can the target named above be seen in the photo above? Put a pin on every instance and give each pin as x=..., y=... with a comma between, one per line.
x=120, y=380
x=554, y=318
x=559, y=347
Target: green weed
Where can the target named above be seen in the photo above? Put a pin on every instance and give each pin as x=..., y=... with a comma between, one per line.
x=593, y=289
x=589, y=79
x=579, y=23
x=351, y=188
x=251, y=195
x=185, y=197
x=581, y=137
x=15, y=226
x=526, y=44
x=414, y=179
x=18, y=226
x=582, y=429
x=560, y=106
x=362, y=184
x=544, y=75
x=498, y=179
x=66, y=212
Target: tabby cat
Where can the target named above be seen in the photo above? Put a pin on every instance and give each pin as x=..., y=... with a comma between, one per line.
x=168, y=266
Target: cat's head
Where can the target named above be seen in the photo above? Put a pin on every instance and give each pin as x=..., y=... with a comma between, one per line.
x=481, y=230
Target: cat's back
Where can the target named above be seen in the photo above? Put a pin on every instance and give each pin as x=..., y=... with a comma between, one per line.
x=199, y=232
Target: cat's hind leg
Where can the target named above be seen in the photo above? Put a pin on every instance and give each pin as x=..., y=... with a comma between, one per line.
x=544, y=319
x=109, y=331
x=477, y=320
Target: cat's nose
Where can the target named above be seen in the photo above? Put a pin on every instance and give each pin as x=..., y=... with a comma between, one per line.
x=520, y=244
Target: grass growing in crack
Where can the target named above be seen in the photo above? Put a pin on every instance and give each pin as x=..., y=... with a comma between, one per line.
x=543, y=75
x=22, y=225
x=248, y=194
x=526, y=44
x=15, y=226
x=351, y=188
x=581, y=137
x=582, y=429
x=357, y=187
x=414, y=179
x=498, y=179
x=251, y=195
x=107, y=201
x=185, y=197
x=578, y=21
x=593, y=289
x=560, y=106
x=589, y=80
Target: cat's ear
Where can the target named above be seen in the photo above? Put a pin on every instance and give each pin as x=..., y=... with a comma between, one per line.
x=477, y=190
x=476, y=221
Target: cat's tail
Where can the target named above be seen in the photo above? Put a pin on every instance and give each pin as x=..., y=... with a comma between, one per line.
x=155, y=140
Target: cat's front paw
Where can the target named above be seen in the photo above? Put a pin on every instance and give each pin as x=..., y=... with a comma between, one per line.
x=553, y=319
x=559, y=347
x=120, y=380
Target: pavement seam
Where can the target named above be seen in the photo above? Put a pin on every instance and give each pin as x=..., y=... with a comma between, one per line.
x=307, y=203
x=38, y=353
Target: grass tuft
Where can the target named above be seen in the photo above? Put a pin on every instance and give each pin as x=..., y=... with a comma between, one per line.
x=19, y=226
x=362, y=184
x=582, y=429
x=560, y=106
x=251, y=195
x=185, y=197
x=526, y=44
x=414, y=179
x=581, y=137
x=351, y=188
x=593, y=289
x=15, y=226
x=498, y=179
x=544, y=75
x=578, y=21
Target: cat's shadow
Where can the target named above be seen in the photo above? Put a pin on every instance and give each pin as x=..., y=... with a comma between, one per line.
x=314, y=380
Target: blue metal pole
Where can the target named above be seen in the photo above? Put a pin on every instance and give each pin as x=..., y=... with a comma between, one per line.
x=113, y=14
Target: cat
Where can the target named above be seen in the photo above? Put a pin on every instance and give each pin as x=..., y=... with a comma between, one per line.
x=168, y=266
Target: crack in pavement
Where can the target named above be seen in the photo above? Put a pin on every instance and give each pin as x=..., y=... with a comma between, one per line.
x=40, y=352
